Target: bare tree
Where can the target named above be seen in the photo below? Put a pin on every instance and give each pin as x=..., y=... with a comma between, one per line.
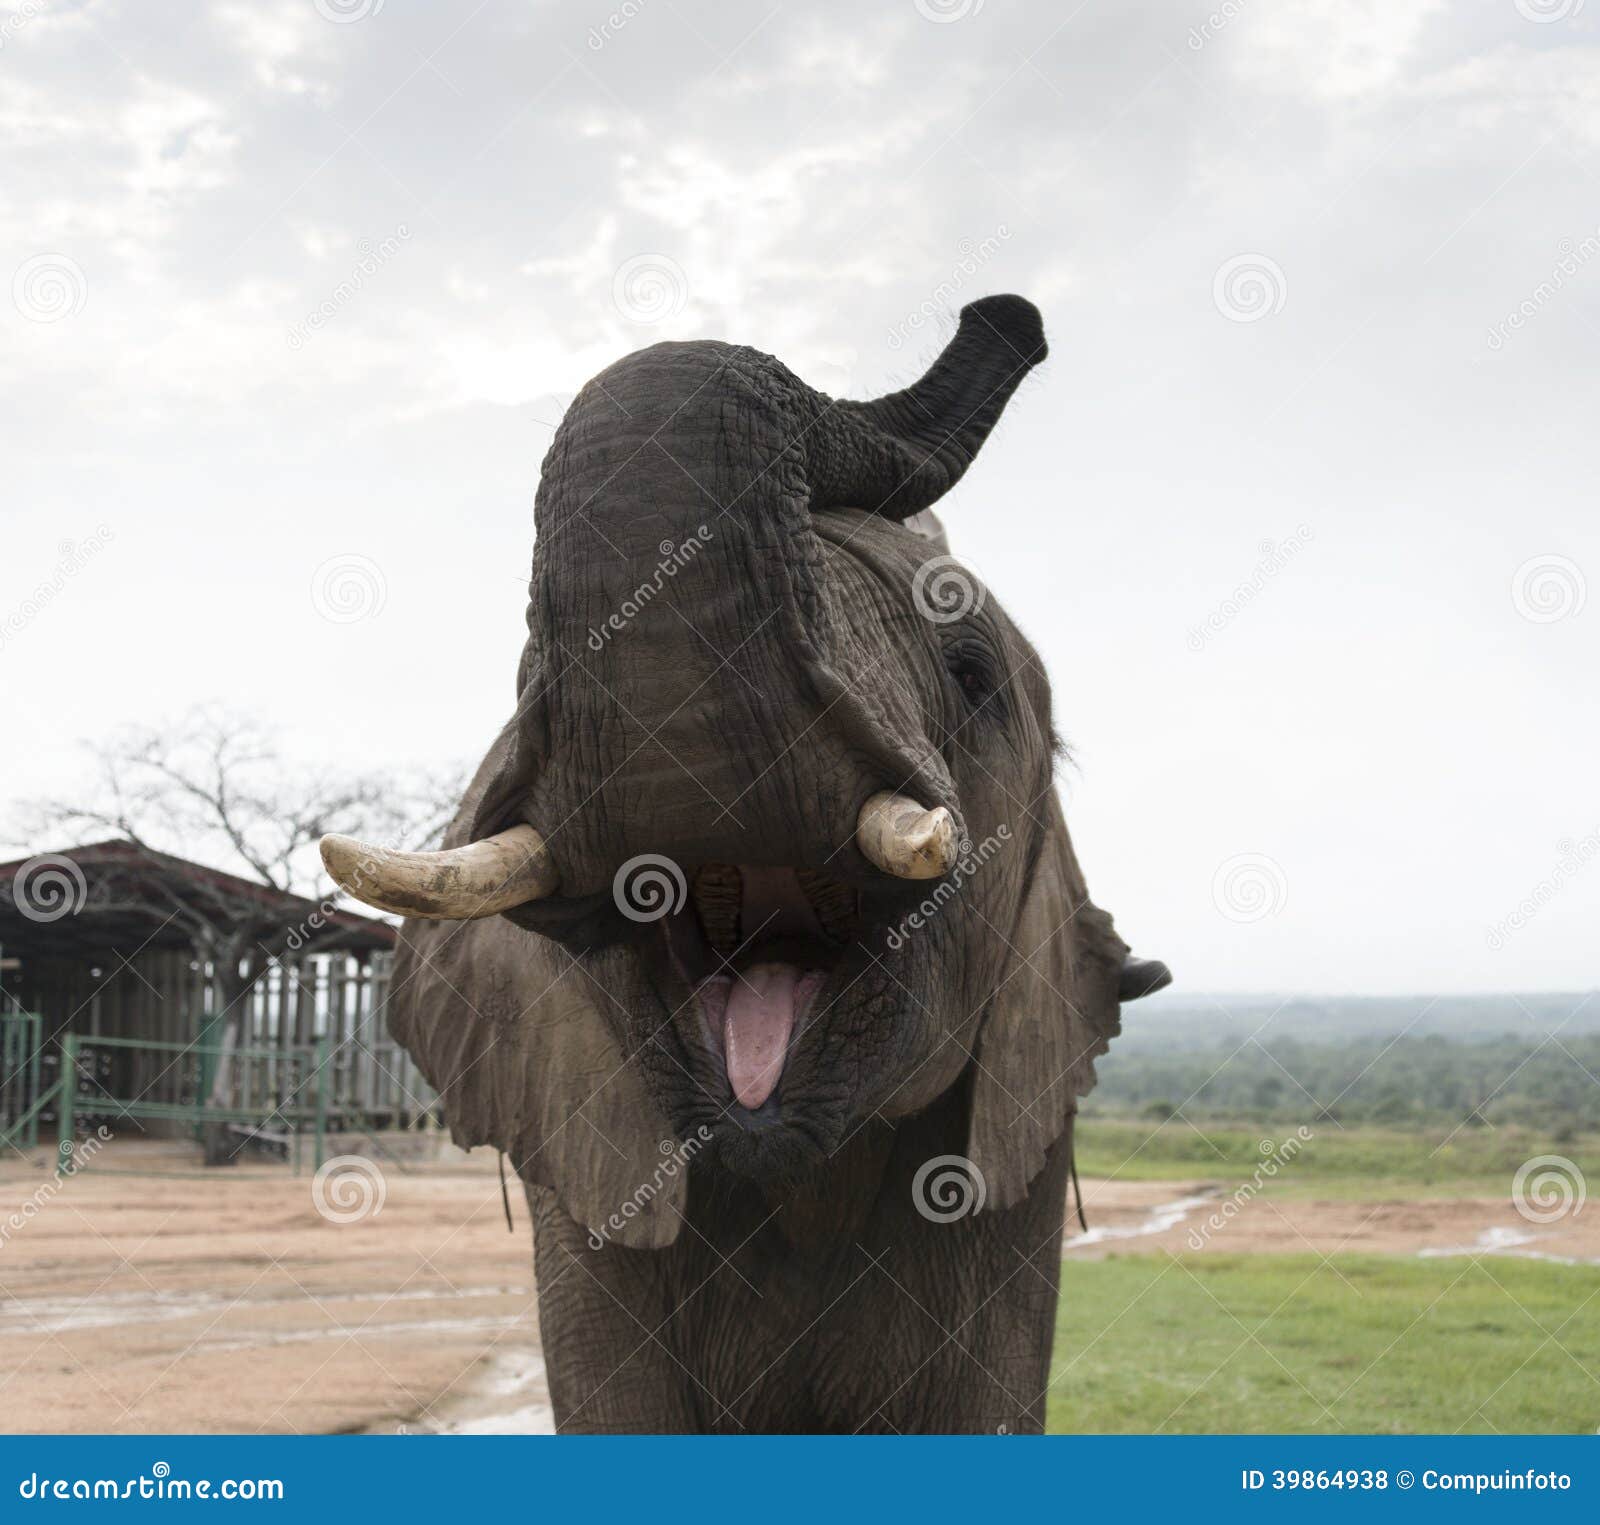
x=213, y=789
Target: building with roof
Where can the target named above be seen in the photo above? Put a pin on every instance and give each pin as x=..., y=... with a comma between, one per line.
x=195, y=999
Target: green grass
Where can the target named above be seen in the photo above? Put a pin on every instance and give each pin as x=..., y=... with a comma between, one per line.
x=1370, y=1162
x=1286, y=1343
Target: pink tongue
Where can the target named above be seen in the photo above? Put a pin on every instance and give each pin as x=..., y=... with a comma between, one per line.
x=756, y=1028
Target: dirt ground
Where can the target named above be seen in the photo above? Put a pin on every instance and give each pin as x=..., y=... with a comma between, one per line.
x=138, y=1298
x=224, y=1301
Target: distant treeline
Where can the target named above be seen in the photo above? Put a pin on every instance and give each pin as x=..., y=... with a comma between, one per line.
x=1546, y=1082
x=1185, y=1017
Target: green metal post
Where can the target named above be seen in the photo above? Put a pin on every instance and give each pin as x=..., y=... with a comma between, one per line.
x=31, y=1031
x=324, y=1090
x=66, y=1122
x=211, y=1032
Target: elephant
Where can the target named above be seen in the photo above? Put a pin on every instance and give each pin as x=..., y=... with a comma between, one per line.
x=758, y=945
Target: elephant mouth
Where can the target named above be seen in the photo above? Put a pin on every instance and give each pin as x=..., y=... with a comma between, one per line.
x=756, y=946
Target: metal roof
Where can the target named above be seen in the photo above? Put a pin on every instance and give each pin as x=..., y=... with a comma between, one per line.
x=89, y=917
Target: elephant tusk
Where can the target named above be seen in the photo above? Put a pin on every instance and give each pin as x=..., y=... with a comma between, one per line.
x=900, y=837
x=456, y=884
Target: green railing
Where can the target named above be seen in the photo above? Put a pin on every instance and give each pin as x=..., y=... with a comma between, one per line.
x=28, y=1124
x=278, y=1088
x=20, y=1102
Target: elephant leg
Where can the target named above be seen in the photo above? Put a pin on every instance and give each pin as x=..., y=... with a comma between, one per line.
x=949, y=1328
x=991, y=1316
x=1013, y=1332
x=599, y=1310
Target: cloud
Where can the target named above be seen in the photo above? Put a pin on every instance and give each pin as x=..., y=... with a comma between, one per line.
x=286, y=45
x=1336, y=51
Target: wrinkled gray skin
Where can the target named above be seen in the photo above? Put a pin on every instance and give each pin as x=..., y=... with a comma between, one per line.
x=781, y=674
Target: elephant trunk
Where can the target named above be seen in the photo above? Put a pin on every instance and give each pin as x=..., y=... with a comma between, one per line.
x=898, y=454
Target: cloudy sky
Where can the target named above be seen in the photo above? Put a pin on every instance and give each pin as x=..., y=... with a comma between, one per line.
x=1300, y=512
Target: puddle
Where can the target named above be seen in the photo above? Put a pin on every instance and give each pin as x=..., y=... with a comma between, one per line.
x=109, y=1310
x=1157, y=1220
x=506, y=1395
x=1509, y=1242
x=275, y=1337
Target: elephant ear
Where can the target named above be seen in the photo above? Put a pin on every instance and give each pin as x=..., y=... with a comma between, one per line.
x=503, y=1024
x=1054, y=1011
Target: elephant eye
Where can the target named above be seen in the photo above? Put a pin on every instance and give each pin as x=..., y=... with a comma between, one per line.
x=974, y=668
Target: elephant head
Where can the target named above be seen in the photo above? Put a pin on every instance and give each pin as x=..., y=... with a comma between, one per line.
x=770, y=846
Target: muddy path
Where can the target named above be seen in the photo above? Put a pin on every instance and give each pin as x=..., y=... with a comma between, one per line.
x=1206, y=1217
